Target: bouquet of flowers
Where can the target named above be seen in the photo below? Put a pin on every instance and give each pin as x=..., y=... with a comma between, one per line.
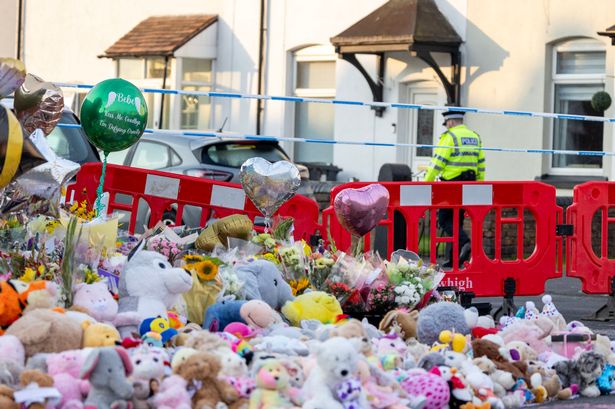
x=164, y=246
x=347, y=277
x=412, y=281
x=232, y=286
x=294, y=260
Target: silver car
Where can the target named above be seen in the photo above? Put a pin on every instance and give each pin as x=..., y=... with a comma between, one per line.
x=205, y=157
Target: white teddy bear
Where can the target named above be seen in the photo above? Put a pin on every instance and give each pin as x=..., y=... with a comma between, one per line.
x=336, y=363
x=149, y=286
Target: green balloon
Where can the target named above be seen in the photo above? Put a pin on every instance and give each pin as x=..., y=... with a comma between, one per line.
x=114, y=115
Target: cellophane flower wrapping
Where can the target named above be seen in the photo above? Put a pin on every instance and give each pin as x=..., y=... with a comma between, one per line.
x=347, y=277
x=412, y=281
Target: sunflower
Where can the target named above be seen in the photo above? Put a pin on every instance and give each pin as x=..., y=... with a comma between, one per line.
x=206, y=270
x=298, y=286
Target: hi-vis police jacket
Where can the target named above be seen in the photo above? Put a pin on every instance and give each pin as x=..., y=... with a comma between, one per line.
x=455, y=154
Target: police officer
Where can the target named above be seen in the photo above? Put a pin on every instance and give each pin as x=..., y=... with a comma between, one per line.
x=456, y=159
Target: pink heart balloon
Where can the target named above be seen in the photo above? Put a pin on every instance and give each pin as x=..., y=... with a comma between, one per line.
x=360, y=210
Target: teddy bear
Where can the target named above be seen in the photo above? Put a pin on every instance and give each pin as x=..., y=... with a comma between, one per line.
x=173, y=394
x=313, y=305
x=201, y=371
x=99, y=335
x=148, y=370
x=46, y=331
x=7, y=398
x=502, y=381
x=533, y=332
x=482, y=347
x=64, y=367
x=336, y=362
x=439, y=317
x=264, y=281
x=550, y=379
x=205, y=341
x=43, y=391
x=401, y=321
x=96, y=300
x=18, y=297
x=12, y=359
x=584, y=371
x=550, y=311
x=149, y=286
x=272, y=382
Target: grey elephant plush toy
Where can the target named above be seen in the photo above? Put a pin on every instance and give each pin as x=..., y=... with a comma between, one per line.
x=263, y=281
x=107, y=369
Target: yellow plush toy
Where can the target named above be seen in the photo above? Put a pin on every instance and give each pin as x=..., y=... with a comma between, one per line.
x=314, y=305
x=450, y=340
x=99, y=335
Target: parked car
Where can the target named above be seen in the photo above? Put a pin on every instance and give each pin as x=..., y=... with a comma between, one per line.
x=68, y=143
x=204, y=157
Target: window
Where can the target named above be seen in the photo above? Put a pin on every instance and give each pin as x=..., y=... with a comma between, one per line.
x=314, y=77
x=578, y=73
x=195, y=109
x=151, y=155
x=235, y=154
x=141, y=68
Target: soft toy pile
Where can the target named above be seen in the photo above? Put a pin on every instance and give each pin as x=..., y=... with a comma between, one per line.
x=180, y=329
x=274, y=350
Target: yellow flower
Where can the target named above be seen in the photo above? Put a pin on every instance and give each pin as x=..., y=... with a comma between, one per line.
x=205, y=270
x=306, y=249
x=192, y=258
x=298, y=286
x=28, y=276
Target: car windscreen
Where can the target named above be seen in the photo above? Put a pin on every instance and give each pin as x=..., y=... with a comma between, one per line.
x=233, y=155
x=71, y=143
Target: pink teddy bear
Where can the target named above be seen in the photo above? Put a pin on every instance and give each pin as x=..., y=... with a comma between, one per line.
x=97, y=299
x=65, y=368
x=173, y=394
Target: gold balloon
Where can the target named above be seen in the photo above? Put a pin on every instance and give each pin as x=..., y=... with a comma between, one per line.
x=11, y=146
x=12, y=75
x=236, y=226
x=38, y=105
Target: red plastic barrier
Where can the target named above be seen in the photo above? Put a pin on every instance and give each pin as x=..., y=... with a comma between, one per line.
x=482, y=275
x=162, y=190
x=594, y=270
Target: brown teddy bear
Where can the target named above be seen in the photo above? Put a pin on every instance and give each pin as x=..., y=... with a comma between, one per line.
x=33, y=376
x=483, y=347
x=7, y=400
x=350, y=329
x=204, y=341
x=46, y=331
x=201, y=372
x=400, y=321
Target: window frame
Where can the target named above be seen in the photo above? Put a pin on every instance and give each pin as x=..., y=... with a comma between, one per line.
x=181, y=83
x=314, y=53
x=588, y=45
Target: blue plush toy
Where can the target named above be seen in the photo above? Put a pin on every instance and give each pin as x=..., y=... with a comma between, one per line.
x=606, y=380
x=255, y=313
x=158, y=325
x=220, y=314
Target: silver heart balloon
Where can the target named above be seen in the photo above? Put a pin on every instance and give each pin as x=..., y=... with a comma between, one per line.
x=269, y=185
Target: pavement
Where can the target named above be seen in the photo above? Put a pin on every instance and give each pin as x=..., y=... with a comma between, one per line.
x=574, y=305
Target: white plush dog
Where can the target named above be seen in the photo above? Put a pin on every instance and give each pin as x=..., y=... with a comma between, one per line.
x=336, y=362
x=149, y=286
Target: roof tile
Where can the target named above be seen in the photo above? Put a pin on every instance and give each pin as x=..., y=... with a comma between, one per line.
x=159, y=36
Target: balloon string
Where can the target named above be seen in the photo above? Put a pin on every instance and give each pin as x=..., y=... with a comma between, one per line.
x=99, y=192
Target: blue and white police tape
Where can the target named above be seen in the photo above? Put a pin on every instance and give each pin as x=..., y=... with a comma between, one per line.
x=247, y=137
x=213, y=94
